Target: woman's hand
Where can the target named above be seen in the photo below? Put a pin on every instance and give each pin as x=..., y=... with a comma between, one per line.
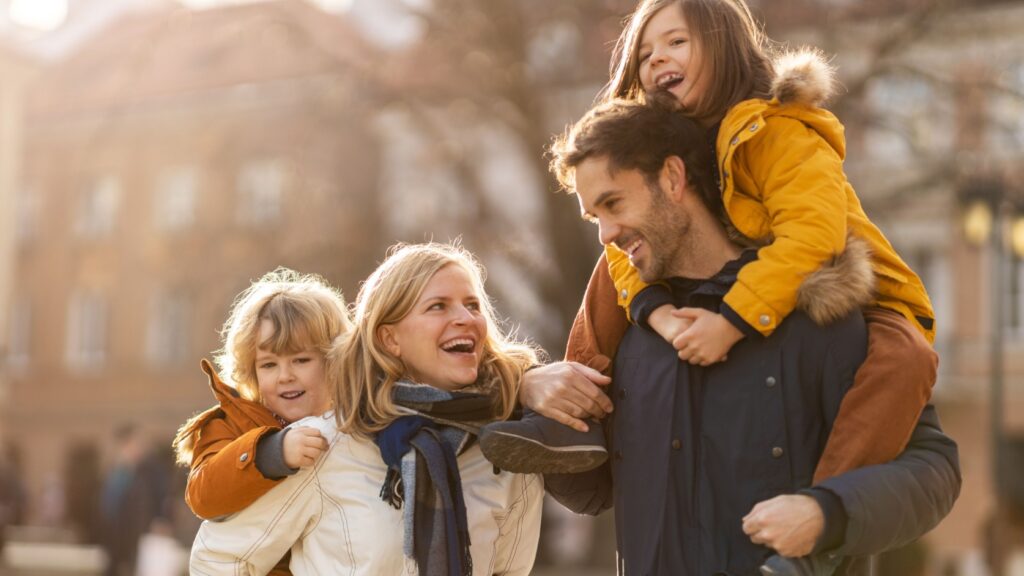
x=302, y=446
x=566, y=392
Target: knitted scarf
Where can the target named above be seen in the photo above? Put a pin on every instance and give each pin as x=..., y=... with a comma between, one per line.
x=420, y=451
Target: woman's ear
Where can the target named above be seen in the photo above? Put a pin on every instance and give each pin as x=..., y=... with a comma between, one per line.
x=386, y=334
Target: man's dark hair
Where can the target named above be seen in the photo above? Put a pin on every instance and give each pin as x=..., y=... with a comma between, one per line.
x=638, y=136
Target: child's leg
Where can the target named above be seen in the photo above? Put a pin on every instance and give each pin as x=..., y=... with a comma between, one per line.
x=541, y=445
x=890, y=390
x=600, y=323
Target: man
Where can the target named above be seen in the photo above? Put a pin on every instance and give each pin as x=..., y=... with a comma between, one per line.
x=711, y=466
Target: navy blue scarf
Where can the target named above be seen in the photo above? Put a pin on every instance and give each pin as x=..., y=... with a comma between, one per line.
x=420, y=451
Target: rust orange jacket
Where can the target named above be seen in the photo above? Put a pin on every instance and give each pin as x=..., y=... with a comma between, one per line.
x=220, y=444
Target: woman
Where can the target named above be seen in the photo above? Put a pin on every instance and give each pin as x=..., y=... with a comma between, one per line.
x=402, y=487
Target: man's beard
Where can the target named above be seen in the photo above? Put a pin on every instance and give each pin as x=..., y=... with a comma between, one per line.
x=665, y=230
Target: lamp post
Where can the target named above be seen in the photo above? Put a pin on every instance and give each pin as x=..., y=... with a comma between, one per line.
x=988, y=213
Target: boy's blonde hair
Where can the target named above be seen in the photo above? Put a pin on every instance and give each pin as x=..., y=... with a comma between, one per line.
x=735, y=52
x=305, y=311
x=363, y=372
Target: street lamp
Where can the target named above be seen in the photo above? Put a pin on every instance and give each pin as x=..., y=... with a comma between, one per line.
x=988, y=213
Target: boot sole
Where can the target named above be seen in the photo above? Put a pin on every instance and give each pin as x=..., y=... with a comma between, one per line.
x=528, y=456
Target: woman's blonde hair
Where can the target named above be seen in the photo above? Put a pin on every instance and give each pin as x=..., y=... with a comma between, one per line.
x=363, y=372
x=304, y=310
x=735, y=52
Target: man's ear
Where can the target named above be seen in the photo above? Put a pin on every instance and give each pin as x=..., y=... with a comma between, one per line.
x=386, y=335
x=673, y=177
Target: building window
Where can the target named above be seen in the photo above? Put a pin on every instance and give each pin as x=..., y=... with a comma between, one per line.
x=167, y=334
x=174, y=198
x=86, y=338
x=933, y=269
x=19, y=335
x=1016, y=298
x=98, y=208
x=27, y=214
x=260, y=186
x=911, y=119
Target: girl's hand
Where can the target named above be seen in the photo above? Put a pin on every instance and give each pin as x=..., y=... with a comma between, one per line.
x=302, y=446
x=667, y=324
x=708, y=340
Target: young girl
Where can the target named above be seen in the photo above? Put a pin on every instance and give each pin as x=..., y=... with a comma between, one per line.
x=779, y=160
x=402, y=487
x=275, y=341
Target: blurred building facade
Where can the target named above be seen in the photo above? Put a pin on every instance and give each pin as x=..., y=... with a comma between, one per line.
x=167, y=162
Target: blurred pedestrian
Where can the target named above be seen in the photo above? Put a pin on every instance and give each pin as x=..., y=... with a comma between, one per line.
x=12, y=493
x=132, y=498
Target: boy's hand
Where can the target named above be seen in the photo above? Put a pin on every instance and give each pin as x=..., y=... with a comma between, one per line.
x=302, y=446
x=708, y=340
x=666, y=323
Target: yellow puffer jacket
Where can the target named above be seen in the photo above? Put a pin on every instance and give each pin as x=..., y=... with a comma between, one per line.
x=783, y=185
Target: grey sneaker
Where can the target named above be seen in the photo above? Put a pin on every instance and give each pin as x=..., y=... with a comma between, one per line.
x=540, y=445
x=816, y=565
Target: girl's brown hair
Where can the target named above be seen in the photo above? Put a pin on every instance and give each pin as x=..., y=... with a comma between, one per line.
x=362, y=372
x=735, y=52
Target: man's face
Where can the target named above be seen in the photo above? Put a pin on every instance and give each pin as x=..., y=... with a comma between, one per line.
x=638, y=219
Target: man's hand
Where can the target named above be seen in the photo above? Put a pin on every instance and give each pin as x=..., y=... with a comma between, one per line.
x=566, y=392
x=667, y=324
x=708, y=340
x=302, y=446
x=791, y=524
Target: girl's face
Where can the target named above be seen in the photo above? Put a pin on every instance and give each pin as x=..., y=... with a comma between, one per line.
x=292, y=386
x=441, y=340
x=670, y=59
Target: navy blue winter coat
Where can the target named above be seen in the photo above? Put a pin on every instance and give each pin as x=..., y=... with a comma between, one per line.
x=694, y=449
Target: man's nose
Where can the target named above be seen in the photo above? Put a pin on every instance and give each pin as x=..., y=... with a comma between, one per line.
x=607, y=232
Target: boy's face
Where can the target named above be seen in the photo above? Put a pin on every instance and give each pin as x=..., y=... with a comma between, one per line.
x=292, y=386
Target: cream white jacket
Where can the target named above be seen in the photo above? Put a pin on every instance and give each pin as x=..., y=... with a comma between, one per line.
x=332, y=518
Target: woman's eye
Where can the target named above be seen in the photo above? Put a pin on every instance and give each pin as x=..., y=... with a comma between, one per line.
x=678, y=41
x=474, y=306
x=436, y=306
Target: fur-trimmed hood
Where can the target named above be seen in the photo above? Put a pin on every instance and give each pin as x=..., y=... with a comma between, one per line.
x=803, y=76
x=843, y=284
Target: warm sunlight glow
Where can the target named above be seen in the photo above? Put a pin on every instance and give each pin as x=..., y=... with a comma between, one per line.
x=38, y=14
x=327, y=5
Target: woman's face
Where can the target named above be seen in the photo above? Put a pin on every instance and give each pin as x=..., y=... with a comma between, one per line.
x=441, y=340
x=670, y=59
